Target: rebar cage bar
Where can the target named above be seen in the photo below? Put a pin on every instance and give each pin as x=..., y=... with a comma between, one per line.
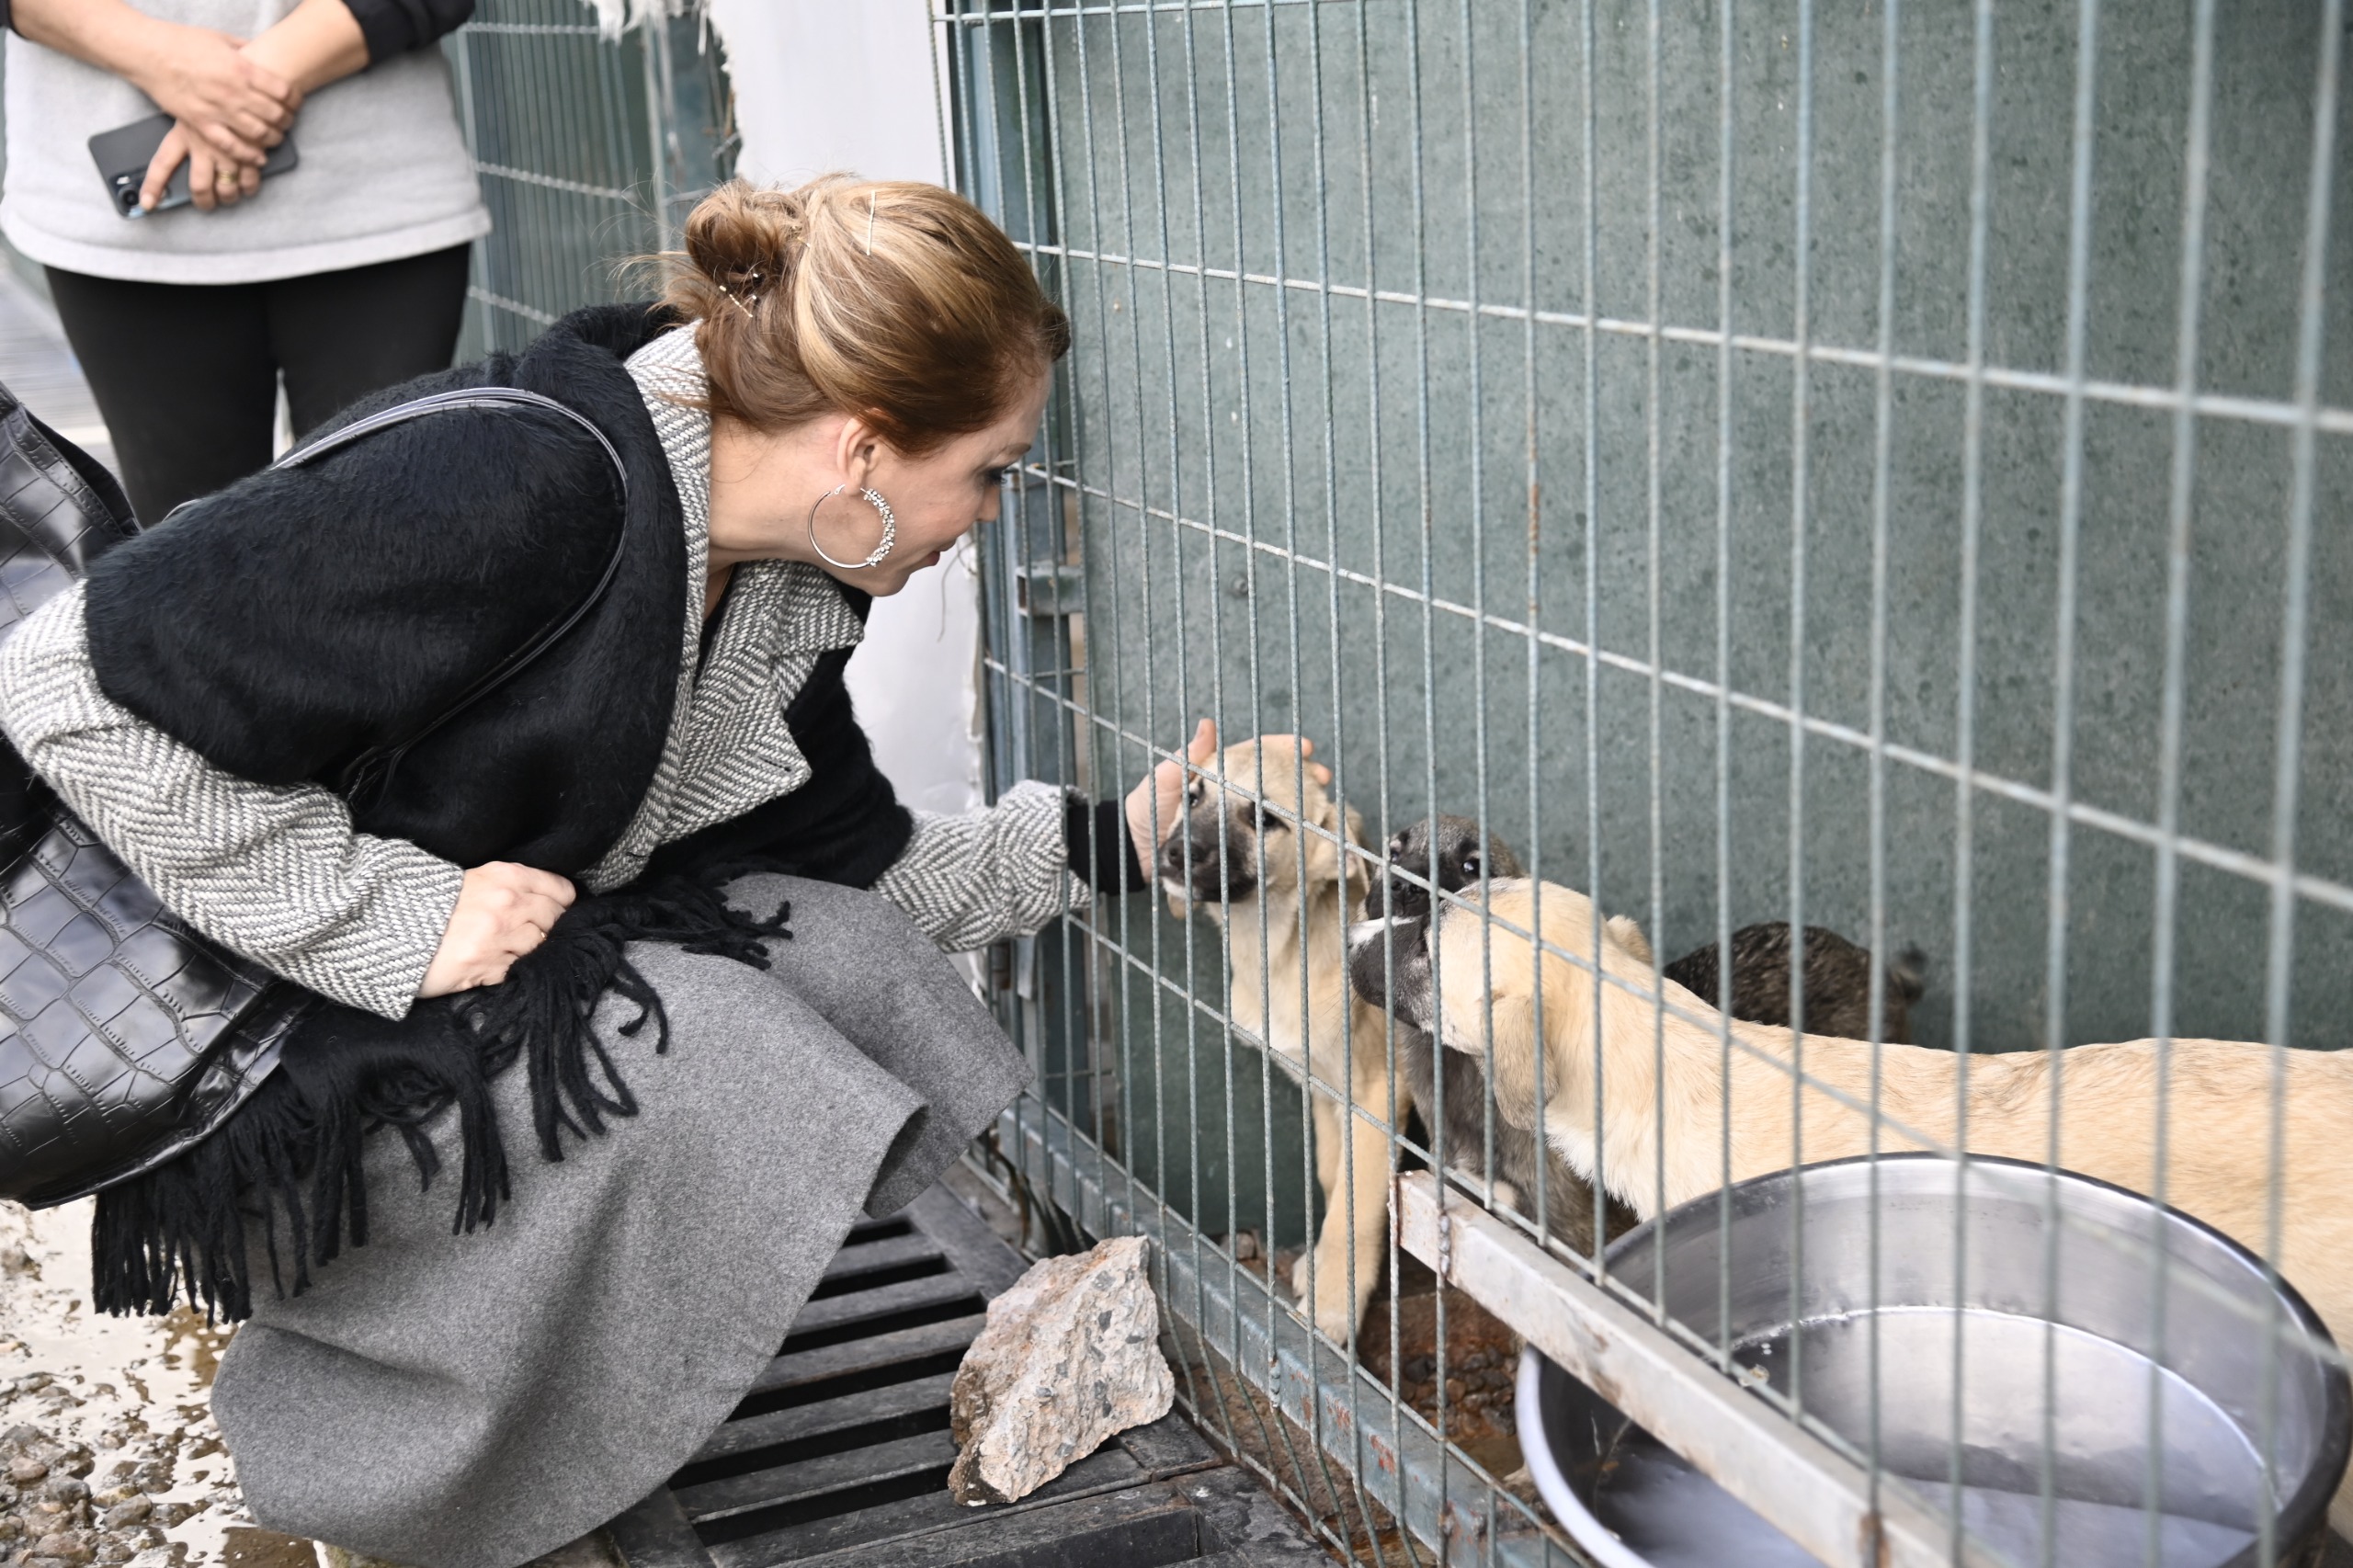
x=590, y=149
x=1881, y=467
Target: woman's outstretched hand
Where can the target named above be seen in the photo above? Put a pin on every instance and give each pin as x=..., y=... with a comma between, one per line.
x=1152, y=805
x=504, y=911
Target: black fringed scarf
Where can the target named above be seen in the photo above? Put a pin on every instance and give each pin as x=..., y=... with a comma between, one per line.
x=399, y=569
x=292, y=1152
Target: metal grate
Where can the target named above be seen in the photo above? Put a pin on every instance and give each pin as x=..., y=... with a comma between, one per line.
x=839, y=1453
x=590, y=152
x=1868, y=466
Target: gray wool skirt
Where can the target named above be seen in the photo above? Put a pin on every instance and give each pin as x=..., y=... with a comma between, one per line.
x=453, y=1400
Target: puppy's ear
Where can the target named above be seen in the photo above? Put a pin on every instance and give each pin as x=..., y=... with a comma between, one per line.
x=1623, y=930
x=1499, y=1025
x=1330, y=862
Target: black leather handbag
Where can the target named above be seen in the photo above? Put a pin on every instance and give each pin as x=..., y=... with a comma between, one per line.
x=125, y=1036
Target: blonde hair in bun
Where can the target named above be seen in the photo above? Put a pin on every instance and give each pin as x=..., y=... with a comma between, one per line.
x=895, y=301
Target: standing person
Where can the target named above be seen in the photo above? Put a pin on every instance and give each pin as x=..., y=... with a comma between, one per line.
x=346, y=274
x=830, y=396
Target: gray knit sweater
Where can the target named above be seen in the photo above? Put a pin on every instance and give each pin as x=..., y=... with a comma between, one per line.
x=278, y=873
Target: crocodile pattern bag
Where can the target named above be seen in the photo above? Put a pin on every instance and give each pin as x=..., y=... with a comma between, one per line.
x=125, y=1036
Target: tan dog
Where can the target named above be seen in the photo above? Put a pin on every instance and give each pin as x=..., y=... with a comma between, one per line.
x=2219, y=1098
x=1239, y=857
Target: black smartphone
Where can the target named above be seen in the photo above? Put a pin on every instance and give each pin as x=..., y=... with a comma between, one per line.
x=124, y=152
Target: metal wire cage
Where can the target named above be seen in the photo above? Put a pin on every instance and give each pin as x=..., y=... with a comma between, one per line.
x=1882, y=468
x=590, y=150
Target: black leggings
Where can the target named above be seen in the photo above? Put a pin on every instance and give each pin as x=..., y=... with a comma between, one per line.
x=186, y=374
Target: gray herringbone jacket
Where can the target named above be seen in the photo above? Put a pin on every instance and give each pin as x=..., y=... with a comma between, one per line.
x=278, y=873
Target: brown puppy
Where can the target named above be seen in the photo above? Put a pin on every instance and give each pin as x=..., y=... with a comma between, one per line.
x=1666, y=1110
x=1283, y=898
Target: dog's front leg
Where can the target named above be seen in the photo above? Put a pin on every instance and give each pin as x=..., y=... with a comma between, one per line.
x=1319, y=1277
x=1324, y=1118
x=1352, y=1243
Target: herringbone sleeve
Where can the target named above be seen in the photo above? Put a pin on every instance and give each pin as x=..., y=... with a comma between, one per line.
x=1004, y=871
x=276, y=872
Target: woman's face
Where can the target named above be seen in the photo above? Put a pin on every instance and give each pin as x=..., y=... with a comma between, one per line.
x=762, y=488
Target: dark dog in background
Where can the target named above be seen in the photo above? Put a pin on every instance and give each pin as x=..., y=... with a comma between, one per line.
x=1838, y=981
x=1449, y=852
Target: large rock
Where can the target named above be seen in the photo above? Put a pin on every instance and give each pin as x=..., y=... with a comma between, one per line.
x=1070, y=1356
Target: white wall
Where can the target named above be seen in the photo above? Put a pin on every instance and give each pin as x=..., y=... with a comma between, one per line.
x=823, y=85
x=826, y=85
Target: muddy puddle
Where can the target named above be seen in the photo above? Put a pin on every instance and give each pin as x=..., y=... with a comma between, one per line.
x=107, y=1450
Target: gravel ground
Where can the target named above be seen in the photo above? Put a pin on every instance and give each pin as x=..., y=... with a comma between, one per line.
x=108, y=1450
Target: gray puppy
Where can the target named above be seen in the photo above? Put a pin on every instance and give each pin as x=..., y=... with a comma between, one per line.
x=1447, y=851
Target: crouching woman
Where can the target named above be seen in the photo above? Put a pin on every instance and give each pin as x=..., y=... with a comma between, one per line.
x=620, y=973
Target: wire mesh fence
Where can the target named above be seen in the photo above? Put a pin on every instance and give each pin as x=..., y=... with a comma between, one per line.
x=590, y=150
x=1882, y=469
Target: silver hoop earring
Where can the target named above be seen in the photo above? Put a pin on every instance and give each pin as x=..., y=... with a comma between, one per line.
x=890, y=529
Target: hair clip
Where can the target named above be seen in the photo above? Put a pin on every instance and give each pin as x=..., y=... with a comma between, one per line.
x=743, y=305
x=870, y=223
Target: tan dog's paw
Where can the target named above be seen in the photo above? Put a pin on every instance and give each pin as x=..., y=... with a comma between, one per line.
x=1299, y=1276
x=1337, y=1309
x=1336, y=1320
x=1473, y=1180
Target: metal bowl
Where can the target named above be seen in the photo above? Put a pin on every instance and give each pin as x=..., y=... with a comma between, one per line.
x=2075, y=1355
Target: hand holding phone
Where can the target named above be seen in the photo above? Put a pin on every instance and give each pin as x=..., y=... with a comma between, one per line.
x=125, y=155
x=210, y=181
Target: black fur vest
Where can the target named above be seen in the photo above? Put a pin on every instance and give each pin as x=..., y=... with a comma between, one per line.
x=302, y=617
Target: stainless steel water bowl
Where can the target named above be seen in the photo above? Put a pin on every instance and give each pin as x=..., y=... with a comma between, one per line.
x=1967, y=1298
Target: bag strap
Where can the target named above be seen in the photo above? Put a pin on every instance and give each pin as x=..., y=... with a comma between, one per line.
x=369, y=772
